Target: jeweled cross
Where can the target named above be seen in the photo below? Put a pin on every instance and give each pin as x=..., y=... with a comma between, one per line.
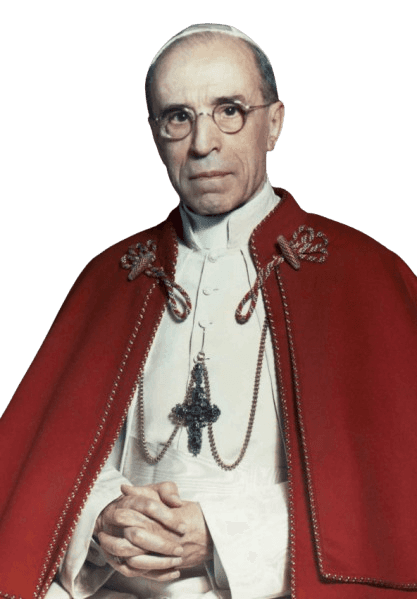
x=196, y=413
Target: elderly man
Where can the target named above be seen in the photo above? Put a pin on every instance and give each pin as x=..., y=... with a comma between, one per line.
x=225, y=405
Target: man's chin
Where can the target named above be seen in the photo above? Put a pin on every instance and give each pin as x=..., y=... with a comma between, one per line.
x=209, y=210
x=212, y=204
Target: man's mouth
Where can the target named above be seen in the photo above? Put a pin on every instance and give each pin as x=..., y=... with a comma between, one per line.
x=209, y=175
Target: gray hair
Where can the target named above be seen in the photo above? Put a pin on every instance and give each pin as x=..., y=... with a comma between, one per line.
x=208, y=32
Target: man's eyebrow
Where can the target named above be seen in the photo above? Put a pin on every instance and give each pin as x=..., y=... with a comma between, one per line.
x=214, y=102
x=172, y=107
x=230, y=99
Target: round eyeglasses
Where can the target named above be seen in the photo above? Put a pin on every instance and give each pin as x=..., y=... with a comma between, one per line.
x=178, y=122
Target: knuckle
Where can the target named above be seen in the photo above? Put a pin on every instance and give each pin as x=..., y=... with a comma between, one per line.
x=108, y=545
x=134, y=535
x=119, y=547
x=168, y=548
x=131, y=534
x=149, y=491
x=118, y=518
x=130, y=501
x=124, y=550
x=151, y=506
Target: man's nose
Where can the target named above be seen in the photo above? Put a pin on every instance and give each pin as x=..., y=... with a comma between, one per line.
x=206, y=136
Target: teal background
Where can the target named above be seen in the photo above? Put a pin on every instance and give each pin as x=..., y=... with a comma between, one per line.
x=79, y=167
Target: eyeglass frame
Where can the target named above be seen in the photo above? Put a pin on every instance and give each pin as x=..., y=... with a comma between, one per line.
x=246, y=110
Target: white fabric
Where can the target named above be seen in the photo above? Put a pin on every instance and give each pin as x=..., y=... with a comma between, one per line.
x=246, y=508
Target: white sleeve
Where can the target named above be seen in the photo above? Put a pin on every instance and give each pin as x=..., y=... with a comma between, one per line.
x=84, y=569
x=250, y=535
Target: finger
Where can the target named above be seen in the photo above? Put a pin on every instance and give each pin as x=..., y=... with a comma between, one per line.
x=123, y=567
x=152, y=562
x=123, y=517
x=118, y=546
x=155, y=510
x=128, y=518
x=161, y=576
x=168, y=492
x=149, y=541
x=147, y=491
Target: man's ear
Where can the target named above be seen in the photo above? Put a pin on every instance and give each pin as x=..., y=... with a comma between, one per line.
x=276, y=120
x=154, y=130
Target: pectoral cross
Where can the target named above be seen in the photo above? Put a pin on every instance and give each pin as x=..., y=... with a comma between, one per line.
x=196, y=411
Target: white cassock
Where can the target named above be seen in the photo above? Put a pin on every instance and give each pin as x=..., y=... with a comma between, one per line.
x=245, y=509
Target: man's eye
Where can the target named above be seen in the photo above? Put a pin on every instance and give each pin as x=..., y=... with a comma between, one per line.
x=229, y=110
x=180, y=116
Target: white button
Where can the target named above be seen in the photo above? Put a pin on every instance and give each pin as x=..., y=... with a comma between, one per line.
x=207, y=290
x=214, y=255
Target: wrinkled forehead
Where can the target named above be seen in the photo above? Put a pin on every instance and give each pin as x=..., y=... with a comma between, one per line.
x=197, y=70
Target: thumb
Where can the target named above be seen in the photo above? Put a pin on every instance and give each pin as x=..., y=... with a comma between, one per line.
x=168, y=492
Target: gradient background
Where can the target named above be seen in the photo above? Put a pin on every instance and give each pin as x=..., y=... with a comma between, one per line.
x=79, y=170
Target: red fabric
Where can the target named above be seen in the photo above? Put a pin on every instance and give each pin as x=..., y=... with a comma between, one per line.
x=345, y=335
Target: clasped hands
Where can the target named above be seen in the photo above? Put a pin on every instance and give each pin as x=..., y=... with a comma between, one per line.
x=154, y=532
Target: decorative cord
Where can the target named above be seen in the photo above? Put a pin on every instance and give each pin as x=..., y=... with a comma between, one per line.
x=150, y=458
x=300, y=247
x=305, y=244
x=139, y=259
x=242, y=452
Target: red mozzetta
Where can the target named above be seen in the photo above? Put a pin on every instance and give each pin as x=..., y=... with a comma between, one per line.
x=345, y=336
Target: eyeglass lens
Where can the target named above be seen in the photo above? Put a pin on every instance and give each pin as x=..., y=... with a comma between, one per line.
x=229, y=118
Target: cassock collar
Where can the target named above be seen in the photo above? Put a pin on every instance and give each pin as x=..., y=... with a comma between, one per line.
x=231, y=230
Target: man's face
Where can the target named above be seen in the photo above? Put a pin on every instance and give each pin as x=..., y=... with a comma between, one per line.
x=214, y=172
